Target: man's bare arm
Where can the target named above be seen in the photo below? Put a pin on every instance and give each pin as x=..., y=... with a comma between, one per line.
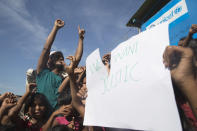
x=42, y=62
x=75, y=100
x=79, y=51
x=78, y=55
x=5, y=106
x=15, y=110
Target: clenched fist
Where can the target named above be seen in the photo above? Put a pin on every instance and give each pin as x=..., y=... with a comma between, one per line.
x=59, y=23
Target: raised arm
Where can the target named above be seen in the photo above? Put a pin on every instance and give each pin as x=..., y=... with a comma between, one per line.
x=42, y=62
x=7, y=103
x=5, y=95
x=79, y=51
x=192, y=30
x=15, y=110
x=75, y=100
x=78, y=55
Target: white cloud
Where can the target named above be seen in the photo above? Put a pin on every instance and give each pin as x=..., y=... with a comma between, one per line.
x=18, y=6
x=15, y=12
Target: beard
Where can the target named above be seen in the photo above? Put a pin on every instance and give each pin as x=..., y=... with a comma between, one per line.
x=59, y=67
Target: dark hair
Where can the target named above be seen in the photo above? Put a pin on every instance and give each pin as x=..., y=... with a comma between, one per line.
x=60, y=128
x=176, y=56
x=193, y=45
x=64, y=98
x=10, y=128
x=53, y=58
x=40, y=97
x=1, y=103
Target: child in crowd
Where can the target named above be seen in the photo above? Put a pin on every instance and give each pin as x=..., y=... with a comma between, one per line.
x=11, y=107
x=72, y=118
x=77, y=93
x=37, y=111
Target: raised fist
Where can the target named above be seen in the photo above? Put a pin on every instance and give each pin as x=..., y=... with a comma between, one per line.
x=193, y=29
x=8, y=103
x=59, y=23
x=6, y=95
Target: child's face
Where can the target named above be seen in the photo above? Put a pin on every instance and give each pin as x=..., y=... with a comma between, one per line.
x=38, y=109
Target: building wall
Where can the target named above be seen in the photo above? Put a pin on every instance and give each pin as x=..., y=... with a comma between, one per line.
x=180, y=14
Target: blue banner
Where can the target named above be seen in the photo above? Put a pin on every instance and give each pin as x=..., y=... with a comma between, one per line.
x=180, y=14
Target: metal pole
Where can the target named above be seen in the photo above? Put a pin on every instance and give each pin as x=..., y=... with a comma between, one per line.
x=139, y=30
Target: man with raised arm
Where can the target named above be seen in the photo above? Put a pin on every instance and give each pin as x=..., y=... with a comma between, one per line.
x=48, y=71
x=185, y=82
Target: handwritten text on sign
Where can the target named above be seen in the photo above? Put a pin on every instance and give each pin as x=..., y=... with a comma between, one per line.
x=138, y=93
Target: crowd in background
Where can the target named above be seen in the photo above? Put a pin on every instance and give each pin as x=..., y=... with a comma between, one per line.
x=56, y=93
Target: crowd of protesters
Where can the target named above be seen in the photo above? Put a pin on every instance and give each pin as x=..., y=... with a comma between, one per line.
x=56, y=93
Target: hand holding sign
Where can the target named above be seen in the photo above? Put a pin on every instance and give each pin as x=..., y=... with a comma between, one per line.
x=138, y=82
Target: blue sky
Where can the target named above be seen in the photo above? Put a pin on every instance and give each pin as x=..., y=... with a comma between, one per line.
x=25, y=25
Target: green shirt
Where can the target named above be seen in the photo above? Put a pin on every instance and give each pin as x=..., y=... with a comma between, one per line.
x=48, y=84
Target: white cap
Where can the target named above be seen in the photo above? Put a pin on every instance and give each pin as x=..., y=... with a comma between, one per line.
x=52, y=52
x=29, y=72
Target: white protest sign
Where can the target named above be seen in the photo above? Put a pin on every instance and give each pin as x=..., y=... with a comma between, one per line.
x=138, y=92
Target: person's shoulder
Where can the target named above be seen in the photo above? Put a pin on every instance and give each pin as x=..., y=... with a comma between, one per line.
x=44, y=72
